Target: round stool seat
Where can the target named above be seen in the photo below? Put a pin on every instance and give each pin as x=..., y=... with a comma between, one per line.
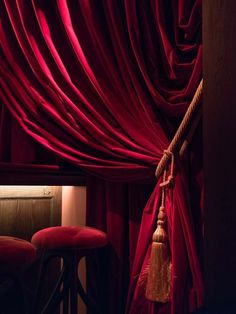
x=70, y=244
x=15, y=252
x=69, y=237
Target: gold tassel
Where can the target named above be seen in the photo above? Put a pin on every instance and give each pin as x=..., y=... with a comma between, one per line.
x=158, y=287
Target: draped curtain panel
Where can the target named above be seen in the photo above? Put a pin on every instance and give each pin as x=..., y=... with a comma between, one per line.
x=101, y=84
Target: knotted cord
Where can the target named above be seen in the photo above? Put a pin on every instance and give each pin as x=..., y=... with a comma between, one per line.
x=158, y=288
x=181, y=130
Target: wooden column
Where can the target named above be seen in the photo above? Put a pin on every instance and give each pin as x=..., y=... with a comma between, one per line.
x=219, y=72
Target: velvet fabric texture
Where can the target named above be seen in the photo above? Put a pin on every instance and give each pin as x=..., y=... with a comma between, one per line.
x=69, y=237
x=15, y=253
x=102, y=85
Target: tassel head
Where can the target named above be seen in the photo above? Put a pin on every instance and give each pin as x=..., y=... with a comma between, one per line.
x=158, y=287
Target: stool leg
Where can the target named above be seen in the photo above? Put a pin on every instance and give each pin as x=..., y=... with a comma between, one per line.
x=73, y=285
x=56, y=295
x=41, y=273
x=61, y=287
x=66, y=301
x=88, y=301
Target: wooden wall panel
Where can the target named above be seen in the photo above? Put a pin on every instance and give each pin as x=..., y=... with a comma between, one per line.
x=23, y=211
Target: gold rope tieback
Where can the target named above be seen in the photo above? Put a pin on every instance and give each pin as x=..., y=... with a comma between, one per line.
x=158, y=287
x=181, y=130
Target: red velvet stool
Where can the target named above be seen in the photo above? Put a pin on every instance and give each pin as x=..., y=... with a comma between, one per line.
x=15, y=255
x=70, y=244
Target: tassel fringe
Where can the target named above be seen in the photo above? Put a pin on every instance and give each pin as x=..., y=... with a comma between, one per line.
x=158, y=287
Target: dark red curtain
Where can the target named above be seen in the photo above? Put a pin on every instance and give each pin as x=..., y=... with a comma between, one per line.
x=102, y=85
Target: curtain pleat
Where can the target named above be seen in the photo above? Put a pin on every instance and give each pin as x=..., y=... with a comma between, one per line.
x=102, y=85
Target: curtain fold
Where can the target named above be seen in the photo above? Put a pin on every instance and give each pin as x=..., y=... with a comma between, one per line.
x=102, y=85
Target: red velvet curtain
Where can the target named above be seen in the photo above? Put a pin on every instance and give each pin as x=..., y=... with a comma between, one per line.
x=101, y=84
